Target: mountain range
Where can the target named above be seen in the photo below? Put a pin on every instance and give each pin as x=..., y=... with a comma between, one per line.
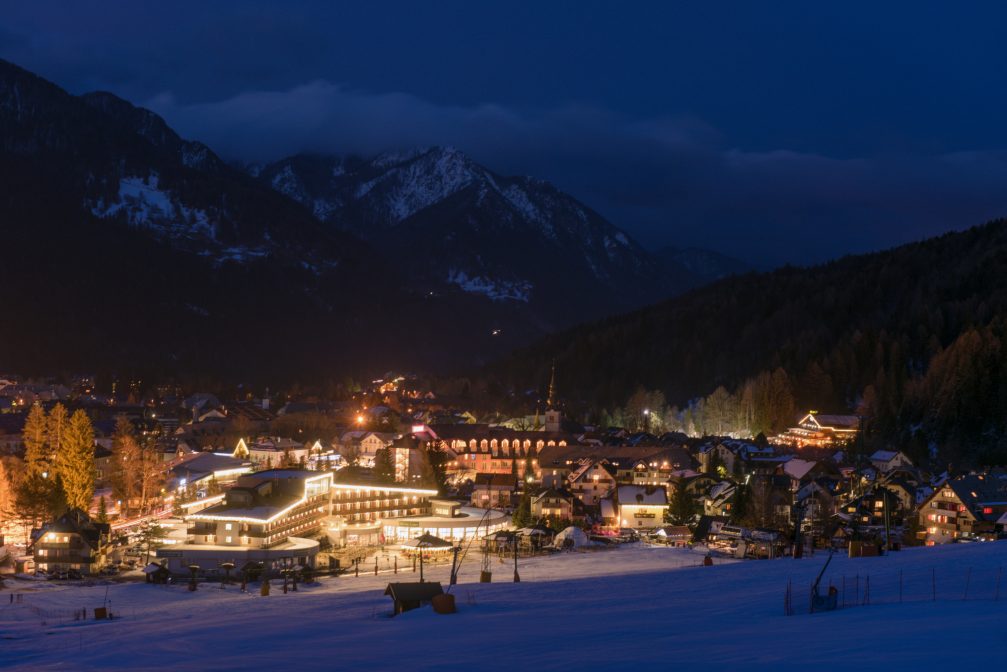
x=132, y=247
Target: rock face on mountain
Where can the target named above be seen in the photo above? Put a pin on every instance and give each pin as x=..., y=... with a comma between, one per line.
x=124, y=164
x=449, y=221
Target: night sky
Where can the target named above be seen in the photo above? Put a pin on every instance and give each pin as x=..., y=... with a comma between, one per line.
x=779, y=132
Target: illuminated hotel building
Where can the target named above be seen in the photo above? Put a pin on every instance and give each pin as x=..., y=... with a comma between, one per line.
x=269, y=517
x=820, y=431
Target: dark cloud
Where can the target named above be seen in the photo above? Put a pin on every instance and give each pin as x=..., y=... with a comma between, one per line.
x=794, y=135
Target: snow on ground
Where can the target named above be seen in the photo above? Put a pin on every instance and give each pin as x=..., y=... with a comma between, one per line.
x=602, y=609
x=497, y=290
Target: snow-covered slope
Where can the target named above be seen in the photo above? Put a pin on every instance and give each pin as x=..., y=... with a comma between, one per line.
x=627, y=608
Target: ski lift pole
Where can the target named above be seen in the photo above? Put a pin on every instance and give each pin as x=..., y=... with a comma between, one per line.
x=517, y=577
x=454, y=565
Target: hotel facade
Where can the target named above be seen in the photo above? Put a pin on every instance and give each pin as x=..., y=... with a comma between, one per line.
x=275, y=517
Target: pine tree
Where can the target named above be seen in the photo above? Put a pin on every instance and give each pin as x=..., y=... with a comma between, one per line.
x=739, y=512
x=35, y=436
x=522, y=514
x=682, y=508
x=56, y=429
x=433, y=468
x=384, y=469
x=37, y=495
x=102, y=510
x=77, y=461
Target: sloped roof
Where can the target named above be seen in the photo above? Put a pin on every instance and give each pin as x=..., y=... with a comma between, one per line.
x=76, y=521
x=496, y=480
x=798, y=468
x=414, y=592
x=884, y=455
x=638, y=494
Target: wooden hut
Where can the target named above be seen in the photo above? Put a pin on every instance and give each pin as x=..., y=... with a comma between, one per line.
x=406, y=596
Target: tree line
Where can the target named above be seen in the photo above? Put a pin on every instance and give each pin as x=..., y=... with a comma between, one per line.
x=912, y=339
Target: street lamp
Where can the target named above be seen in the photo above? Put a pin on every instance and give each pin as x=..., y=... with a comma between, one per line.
x=646, y=420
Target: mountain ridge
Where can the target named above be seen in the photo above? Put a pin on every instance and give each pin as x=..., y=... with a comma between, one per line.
x=473, y=266
x=913, y=338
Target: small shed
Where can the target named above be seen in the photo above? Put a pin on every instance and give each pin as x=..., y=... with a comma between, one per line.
x=406, y=596
x=156, y=573
x=675, y=535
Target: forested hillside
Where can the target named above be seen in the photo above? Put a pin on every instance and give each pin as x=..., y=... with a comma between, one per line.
x=911, y=338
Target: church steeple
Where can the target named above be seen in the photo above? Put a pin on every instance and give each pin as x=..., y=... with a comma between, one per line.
x=551, y=400
x=553, y=418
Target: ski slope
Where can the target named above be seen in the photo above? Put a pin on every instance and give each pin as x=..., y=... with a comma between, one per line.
x=602, y=609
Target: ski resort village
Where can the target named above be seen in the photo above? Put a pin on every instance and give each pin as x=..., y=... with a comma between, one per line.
x=181, y=530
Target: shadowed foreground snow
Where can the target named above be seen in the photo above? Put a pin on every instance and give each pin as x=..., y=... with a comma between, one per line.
x=604, y=609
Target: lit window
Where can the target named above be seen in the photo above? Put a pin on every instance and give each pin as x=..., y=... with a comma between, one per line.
x=227, y=526
x=228, y=539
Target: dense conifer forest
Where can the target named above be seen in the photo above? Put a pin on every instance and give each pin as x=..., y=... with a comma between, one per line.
x=911, y=339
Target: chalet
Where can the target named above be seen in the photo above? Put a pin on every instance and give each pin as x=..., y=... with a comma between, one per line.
x=697, y=485
x=72, y=542
x=640, y=507
x=964, y=507
x=271, y=452
x=820, y=431
x=887, y=460
x=657, y=468
x=370, y=443
x=553, y=503
x=592, y=481
x=718, y=453
x=905, y=492
x=872, y=509
x=640, y=465
x=493, y=491
x=719, y=500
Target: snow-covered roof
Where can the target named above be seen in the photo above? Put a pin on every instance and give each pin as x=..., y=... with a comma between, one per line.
x=798, y=468
x=884, y=455
x=638, y=494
